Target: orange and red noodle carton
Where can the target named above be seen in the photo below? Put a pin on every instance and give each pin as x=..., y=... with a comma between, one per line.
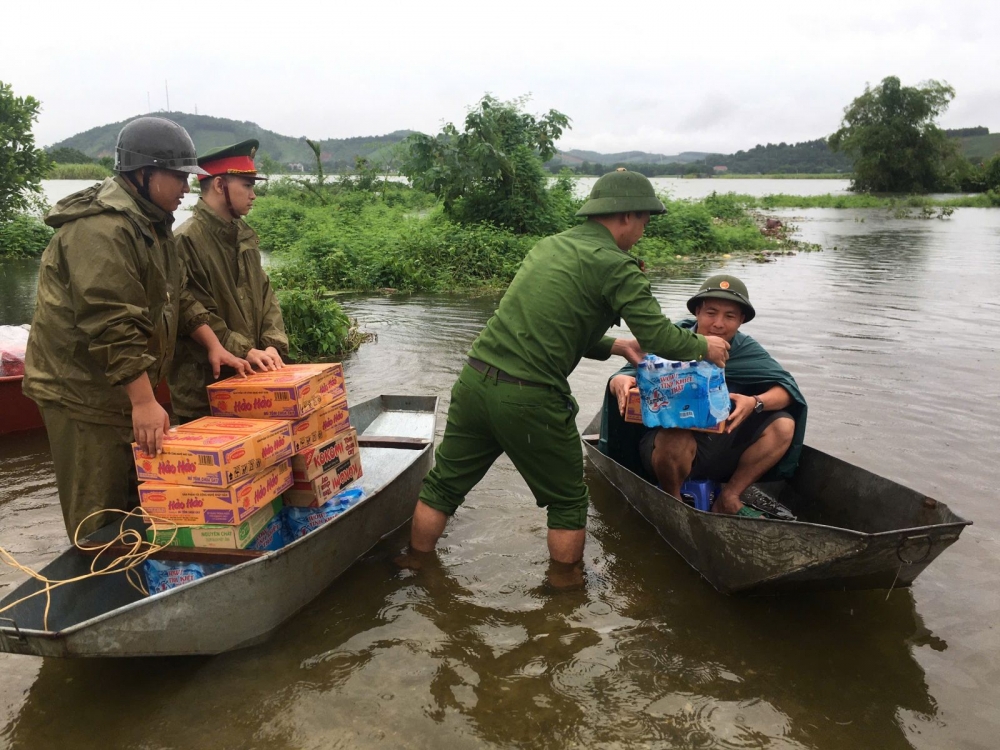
x=191, y=506
x=321, y=425
x=292, y=392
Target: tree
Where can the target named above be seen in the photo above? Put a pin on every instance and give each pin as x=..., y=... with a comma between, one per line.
x=991, y=173
x=22, y=166
x=890, y=134
x=492, y=171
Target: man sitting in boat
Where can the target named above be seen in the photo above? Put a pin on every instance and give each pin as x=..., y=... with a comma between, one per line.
x=764, y=431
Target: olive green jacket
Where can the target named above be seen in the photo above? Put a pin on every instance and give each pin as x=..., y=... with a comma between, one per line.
x=234, y=296
x=569, y=290
x=109, y=304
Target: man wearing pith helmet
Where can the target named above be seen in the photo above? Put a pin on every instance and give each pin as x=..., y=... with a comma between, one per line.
x=765, y=428
x=109, y=306
x=225, y=276
x=512, y=395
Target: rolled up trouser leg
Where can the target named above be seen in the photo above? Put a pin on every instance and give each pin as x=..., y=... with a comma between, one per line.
x=536, y=428
x=94, y=468
x=468, y=448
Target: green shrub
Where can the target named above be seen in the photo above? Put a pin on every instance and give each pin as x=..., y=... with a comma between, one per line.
x=23, y=236
x=317, y=327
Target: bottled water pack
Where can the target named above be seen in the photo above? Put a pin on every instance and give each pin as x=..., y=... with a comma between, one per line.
x=682, y=394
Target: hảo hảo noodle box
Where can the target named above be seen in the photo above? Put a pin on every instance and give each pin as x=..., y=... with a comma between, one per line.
x=215, y=455
x=292, y=392
x=321, y=425
x=195, y=506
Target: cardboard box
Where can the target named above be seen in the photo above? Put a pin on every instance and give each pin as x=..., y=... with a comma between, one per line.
x=321, y=425
x=199, y=459
x=319, y=459
x=292, y=392
x=633, y=414
x=214, y=452
x=216, y=536
x=326, y=485
x=195, y=506
x=633, y=407
x=272, y=438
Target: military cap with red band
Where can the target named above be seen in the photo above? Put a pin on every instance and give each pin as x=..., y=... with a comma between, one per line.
x=236, y=160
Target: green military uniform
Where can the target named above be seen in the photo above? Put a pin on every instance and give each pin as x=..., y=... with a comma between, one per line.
x=225, y=276
x=569, y=290
x=108, y=309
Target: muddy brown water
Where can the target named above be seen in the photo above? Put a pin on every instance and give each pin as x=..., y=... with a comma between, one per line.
x=892, y=334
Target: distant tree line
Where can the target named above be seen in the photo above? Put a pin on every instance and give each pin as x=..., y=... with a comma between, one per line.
x=966, y=132
x=809, y=157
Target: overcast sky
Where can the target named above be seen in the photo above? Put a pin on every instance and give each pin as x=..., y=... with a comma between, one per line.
x=651, y=76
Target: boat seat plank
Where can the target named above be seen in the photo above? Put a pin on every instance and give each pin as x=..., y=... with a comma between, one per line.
x=185, y=554
x=392, y=441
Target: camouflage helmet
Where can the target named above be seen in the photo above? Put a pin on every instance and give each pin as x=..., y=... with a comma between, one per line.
x=724, y=286
x=155, y=142
x=620, y=192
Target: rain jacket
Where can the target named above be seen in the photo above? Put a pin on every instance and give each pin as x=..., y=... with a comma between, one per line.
x=109, y=303
x=234, y=296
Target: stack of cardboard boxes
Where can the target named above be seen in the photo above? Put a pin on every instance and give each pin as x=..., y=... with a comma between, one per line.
x=276, y=439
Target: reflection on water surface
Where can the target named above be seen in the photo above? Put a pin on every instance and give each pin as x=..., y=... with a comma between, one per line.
x=888, y=331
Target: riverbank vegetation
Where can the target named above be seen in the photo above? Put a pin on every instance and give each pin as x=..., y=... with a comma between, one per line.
x=89, y=171
x=22, y=167
x=480, y=201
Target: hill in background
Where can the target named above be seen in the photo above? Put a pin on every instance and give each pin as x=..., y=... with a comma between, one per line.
x=212, y=132
x=339, y=154
x=577, y=156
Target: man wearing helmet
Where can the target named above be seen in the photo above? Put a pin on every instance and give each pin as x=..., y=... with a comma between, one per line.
x=764, y=430
x=109, y=306
x=222, y=257
x=512, y=395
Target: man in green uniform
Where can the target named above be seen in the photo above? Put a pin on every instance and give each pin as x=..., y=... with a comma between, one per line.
x=765, y=428
x=109, y=306
x=513, y=397
x=225, y=277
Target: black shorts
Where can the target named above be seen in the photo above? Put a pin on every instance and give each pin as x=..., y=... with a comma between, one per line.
x=718, y=453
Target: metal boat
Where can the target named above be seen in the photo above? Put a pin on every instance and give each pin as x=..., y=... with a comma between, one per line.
x=19, y=413
x=853, y=529
x=246, y=603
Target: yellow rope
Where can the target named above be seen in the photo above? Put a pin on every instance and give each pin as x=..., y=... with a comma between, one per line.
x=140, y=550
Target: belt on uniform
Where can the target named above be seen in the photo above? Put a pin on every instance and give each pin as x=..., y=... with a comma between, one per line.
x=489, y=370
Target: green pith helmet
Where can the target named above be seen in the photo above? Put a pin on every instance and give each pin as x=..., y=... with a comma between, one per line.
x=724, y=286
x=155, y=142
x=620, y=192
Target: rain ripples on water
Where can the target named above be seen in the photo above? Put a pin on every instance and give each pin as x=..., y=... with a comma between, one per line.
x=890, y=331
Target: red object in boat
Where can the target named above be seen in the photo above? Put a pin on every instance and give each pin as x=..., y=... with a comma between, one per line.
x=19, y=413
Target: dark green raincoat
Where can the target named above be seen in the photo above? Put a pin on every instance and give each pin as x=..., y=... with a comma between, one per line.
x=233, y=295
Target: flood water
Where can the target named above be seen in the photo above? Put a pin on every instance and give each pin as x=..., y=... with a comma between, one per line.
x=891, y=331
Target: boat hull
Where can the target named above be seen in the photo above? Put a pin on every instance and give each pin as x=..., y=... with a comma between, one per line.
x=18, y=413
x=240, y=606
x=856, y=530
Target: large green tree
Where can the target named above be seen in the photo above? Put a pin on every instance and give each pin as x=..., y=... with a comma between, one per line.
x=22, y=165
x=890, y=134
x=492, y=170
